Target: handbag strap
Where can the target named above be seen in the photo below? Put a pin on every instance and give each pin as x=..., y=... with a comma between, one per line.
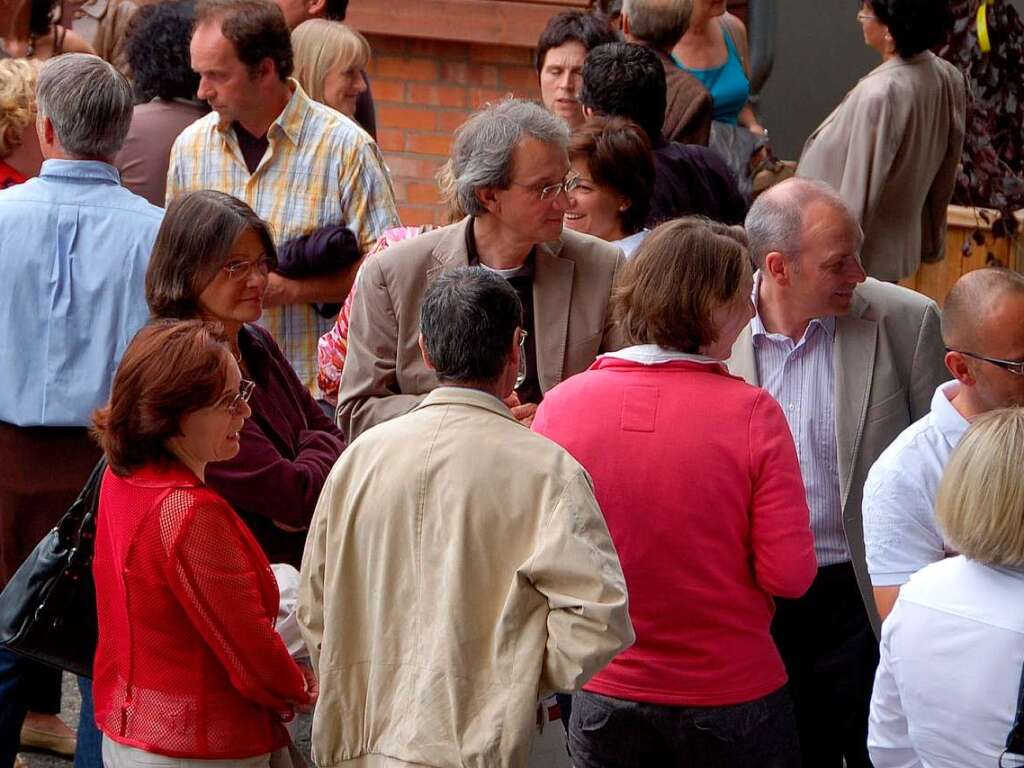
x=81, y=515
x=1015, y=739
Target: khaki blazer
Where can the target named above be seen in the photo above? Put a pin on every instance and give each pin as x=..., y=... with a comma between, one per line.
x=384, y=374
x=457, y=570
x=888, y=358
x=891, y=149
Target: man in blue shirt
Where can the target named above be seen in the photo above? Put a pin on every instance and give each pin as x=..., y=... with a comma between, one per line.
x=74, y=245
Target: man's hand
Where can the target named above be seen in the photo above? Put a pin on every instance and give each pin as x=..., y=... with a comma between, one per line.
x=524, y=413
x=279, y=291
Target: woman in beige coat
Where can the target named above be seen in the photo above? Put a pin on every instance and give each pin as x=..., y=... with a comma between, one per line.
x=891, y=148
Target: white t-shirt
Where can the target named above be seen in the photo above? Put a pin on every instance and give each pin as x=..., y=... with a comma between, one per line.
x=951, y=655
x=900, y=533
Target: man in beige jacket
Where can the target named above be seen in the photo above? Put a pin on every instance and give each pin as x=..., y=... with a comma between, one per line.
x=458, y=568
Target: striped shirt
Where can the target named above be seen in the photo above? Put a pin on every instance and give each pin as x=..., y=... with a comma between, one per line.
x=320, y=169
x=801, y=377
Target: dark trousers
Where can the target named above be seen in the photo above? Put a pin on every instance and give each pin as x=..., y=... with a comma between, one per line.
x=614, y=733
x=831, y=654
x=12, y=704
x=89, y=752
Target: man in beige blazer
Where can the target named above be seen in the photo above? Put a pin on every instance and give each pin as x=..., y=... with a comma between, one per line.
x=891, y=149
x=512, y=175
x=442, y=598
x=852, y=361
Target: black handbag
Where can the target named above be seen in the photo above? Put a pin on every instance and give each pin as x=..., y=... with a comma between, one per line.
x=48, y=608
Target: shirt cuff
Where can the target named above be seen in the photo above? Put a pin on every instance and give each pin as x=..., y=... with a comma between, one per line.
x=891, y=579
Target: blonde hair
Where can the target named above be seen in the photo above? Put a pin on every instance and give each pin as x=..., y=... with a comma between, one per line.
x=17, y=98
x=320, y=46
x=980, y=505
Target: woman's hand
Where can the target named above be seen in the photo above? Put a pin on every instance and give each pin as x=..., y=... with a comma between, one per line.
x=312, y=688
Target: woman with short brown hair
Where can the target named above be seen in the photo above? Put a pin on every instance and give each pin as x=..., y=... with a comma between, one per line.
x=189, y=669
x=698, y=479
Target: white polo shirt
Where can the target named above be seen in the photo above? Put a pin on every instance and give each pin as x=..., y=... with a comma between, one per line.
x=900, y=533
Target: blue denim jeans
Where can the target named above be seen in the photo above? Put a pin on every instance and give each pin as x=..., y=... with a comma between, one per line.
x=89, y=752
x=13, y=704
x=614, y=733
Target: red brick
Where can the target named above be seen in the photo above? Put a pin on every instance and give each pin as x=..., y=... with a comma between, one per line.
x=411, y=166
x=388, y=90
x=522, y=80
x=469, y=74
x=500, y=54
x=415, y=215
x=383, y=44
x=437, y=95
x=440, y=49
x=428, y=143
x=391, y=139
x=400, y=190
x=419, y=118
x=422, y=193
x=480, y=96
x=450, y=120
x=403, y=69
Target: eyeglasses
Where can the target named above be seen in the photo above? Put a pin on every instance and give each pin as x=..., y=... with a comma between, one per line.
x=521, y=375
x=862, y=17
x=1015, y=367
x=245, y=390
x=567, y=185
x=242, y=268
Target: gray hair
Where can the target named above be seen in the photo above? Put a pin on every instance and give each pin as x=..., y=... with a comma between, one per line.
x=775, y=221
x=483, y=147
x=468, y=321
x=89, y=103
x=658, y=22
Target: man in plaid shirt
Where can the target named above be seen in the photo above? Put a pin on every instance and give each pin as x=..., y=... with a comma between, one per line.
x=304, y=168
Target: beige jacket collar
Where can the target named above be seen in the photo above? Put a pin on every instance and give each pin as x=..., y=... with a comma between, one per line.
x=474, y=398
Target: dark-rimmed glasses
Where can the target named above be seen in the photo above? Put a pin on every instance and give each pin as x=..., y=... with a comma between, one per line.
x=521, y=375
x=1015, y=367
x=245, y=390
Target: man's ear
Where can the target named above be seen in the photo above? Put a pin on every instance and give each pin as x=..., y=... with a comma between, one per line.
x=266, y=68
x=588, y=112
x=958, y=366
x=624, y=22
x=488, y=197
x=423, y=351
x=316, y=8
x=44, y=131
x=777, y=267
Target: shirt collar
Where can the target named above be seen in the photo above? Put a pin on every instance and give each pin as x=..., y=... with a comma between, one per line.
x=946, y=418
x=652, y=354
x=291, y=119
x=89, y=171
x=758, y=331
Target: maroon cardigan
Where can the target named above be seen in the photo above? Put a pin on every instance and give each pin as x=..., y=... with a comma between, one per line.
x=288, y=446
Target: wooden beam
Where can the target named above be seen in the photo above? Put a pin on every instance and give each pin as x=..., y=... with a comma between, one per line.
x=498, y=22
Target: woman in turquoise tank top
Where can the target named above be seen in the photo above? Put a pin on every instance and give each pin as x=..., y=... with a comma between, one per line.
x=714, y=50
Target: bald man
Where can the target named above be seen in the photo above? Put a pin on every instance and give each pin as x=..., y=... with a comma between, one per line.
x=983, y=330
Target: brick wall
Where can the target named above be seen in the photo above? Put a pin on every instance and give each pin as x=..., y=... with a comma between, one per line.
x=423, y=91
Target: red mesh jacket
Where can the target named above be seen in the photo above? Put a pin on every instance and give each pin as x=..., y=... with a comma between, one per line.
x=188, y=662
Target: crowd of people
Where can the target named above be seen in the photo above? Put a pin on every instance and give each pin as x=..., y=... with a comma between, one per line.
x=639, y=442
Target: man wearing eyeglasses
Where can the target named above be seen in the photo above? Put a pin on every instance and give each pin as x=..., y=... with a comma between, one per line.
x=983, y=330
x=511, y=174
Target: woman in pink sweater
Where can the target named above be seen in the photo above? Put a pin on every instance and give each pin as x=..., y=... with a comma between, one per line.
x=698, y=479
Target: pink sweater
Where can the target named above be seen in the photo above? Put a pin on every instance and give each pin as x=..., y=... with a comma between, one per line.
x=698, y=479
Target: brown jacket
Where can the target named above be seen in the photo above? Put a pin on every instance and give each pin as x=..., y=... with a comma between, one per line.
x=384, y=374
x=688, y=105
x=891, y=149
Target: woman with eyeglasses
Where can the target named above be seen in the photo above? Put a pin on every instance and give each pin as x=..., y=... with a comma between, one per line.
x=892, y=146
x=189, y=669
x=211, y=261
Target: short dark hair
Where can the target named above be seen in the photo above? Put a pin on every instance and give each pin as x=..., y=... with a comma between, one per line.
x=336, y=10
x=683, y=271
x=169, y=369
x=156, y=49
x=256, y=28
x=586, y=29
x=468, y=321
x=193, y=242
x=40, y=16
x=915, y=25
x=618, y=154
x=626, y=80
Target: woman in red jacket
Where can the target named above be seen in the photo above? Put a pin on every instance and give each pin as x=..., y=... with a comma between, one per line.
x=697, y=476
x=188, y=665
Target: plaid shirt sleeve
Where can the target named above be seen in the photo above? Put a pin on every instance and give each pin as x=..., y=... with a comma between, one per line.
x=367, y=198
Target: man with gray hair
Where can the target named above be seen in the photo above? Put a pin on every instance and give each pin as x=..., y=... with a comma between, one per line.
x=852, y=361
x=442, y=598
x=511, y=175
x=659, y=24
x=74, y=245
